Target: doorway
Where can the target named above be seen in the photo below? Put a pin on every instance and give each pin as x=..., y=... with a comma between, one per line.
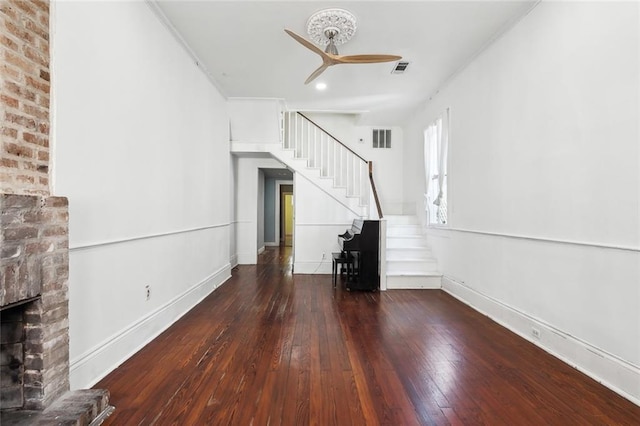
x=286, y=215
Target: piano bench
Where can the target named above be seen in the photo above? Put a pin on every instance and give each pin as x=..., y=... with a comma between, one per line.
x=340, y=258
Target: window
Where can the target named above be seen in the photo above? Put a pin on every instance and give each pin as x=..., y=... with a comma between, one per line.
x=436, y=141
x=382, y=138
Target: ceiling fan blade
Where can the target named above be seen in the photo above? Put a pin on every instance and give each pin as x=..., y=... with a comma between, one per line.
x=366, y=59
x=306, y=43
x=316, y=73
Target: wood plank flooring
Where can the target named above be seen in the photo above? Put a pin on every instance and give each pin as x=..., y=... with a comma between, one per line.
x=270, y=348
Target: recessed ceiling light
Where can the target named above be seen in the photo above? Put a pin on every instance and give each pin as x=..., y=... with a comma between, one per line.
x=321, y=86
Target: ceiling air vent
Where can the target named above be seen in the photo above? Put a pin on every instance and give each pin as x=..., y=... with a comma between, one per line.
x=400, y=67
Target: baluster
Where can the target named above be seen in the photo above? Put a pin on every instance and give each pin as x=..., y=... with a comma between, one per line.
x=323, y=172
x=297, y=139
x=289, y=144
x=315, y=146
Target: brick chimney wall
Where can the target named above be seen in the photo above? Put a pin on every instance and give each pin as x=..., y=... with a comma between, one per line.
x=24, y=96
x=34, y=248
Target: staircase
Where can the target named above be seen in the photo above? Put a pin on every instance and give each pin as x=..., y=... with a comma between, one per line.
x=317, y=156
x=410, y=263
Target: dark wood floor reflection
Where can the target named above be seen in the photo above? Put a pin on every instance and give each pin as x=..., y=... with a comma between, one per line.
x=268, y=347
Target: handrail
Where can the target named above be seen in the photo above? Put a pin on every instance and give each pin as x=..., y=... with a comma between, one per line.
x=332, y=137
x=373, y=188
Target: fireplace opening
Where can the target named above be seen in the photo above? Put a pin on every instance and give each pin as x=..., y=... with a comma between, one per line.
x=16, y=354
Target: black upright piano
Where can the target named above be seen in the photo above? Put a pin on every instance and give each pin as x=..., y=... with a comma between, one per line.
x=362, y=241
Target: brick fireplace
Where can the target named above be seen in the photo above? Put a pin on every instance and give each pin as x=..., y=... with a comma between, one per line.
x=34, y=302
x=34, y=246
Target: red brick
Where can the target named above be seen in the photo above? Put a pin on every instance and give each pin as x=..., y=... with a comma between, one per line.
x=44, y=181
x=56, y=202
x=9, y=101
x=43, y=101
x=20, y=91
x=8, y=11
x=43, y=19
x=25, y=179
x=36, y=56
x=54, y=231
x=20, y=62
x=39, y=247
x=18, y=150
x=17, y=201
x=7, y=162
x=42, y=5
x=44, y=74
x=27, y=122
x=9, y=72
x=42, y=86
x=24, y=6
x=22, y=233
x=19, y=32
x=9, y=43
x=34, y=139
x=13, y=88
x=37, y=29
x=10, y=132
x=43, y=168
x=36, y=111
x=39, y=217
x=43, y=128
x=43, y=155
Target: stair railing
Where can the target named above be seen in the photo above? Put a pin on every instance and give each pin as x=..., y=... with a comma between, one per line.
x=334, y=159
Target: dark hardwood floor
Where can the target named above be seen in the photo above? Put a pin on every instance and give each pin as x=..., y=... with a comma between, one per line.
x=268, y=347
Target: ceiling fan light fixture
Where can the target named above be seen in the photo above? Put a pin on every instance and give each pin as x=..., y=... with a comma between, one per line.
x=321, y=86
x=340, y=24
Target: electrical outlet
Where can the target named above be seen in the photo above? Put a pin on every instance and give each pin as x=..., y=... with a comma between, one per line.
x=148, y=289
x=324, y=255
x=535, y=333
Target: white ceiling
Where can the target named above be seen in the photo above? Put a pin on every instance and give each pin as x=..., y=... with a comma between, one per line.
x=246, y=53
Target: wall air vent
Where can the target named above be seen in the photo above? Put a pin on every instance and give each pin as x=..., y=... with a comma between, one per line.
x=400, y=67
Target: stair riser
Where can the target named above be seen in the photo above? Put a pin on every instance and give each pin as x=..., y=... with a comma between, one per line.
x=399, y=267
x=405, y=243
x=403, y=231
x=402, y=220
x=410, y=254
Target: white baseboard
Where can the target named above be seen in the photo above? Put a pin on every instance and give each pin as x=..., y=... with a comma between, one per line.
x=619, y=376
x=233, y=261
x=319, y=267
x=272, y=244
x=90, y=367
x=261, y=250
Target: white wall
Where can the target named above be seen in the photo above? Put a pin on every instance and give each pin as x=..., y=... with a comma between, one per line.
x=545, y=184
x=260, y=211
x=255, y=120
x=387, y=163
x=318, y=221
x=141, y=151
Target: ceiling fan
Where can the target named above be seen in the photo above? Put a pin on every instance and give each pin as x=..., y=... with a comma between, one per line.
x=333, y=27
